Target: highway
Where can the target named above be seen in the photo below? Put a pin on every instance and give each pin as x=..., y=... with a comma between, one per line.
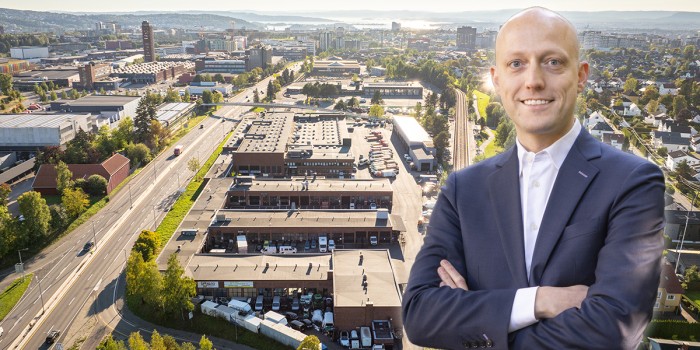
x=71, y=278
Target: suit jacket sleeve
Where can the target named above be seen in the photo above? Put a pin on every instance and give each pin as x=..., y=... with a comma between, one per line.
x=619, y=303
x=451, y=318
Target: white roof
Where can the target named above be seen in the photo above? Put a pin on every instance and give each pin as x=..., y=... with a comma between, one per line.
x=412, y=131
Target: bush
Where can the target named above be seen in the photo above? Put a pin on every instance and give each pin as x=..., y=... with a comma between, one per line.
x=96, y=185
x=138, y=153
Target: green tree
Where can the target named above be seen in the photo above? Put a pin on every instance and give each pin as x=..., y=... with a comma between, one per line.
x=270, y=91
x=652, y=106
x=172, y=96
x=311, y=342
x=143, y=280
x=177, y=289
x=442, y=142
x=5, y=83
x=377, y=98
x=8, y=231
x=376, y=111
x=157, y=342
x=219, y=78
x=104, y=143
x=108, y=343
x=205, y=344
x=37, y=216
x=136, y=342
x=64, y=177
x=80, y=149
x=147, y=244
x=96, y=185
x=494, y=113
x=630, y=85
x=171, y=343
x=418, y=109
x=353, y=102
x=5, y=191
x=662, y=151
x=187, y=97
x=74, y=201
x=138, y=153
x=256, y=96
x=503, y=131
x=54, y=97
x=123, y=134
x=193, y=165
x=64, y=95
x=145, y=113
x=206, y=97
x=679, y=104
x=187, y=346
x=340, y=105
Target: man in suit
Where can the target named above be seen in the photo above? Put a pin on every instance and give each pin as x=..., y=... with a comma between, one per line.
x=556, y=242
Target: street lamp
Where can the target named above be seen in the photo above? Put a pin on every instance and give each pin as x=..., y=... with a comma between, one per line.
x=131, y=203
x=687, y=217
x=19, y=251
x=94, y=235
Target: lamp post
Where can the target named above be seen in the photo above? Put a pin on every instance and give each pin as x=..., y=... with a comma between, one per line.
x=131, y=203
x=687, y=217
x=154, y=218
x=19, y=251
x=94, y=235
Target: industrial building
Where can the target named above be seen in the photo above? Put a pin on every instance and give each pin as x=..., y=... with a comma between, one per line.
x=152, y=72
x=27, y=132
x=109, y=109
x=417, y=141
x=223, y=66
x=62, y=77
x=335, y=67
x=197, y=89
x=92, y=72
x=173, y=115
x=29, y=52
x=393, y=89
x=288, y=144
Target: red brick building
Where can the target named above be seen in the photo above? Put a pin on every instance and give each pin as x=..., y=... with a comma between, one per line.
x=114, y=170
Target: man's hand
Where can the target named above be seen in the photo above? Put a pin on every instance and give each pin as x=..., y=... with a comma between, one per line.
x=551, y=301
x=450, y=277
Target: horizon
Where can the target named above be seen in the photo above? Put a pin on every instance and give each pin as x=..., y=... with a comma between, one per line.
x=317, y=6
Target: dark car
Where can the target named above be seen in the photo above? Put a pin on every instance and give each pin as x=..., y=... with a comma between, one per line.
x=307, y=322
x=298, y=325
x=201, y=126
x=88, y=246
x=291, y=316
x=52, y=336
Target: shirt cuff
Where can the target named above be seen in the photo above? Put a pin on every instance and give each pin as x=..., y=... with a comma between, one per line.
x=523, y=312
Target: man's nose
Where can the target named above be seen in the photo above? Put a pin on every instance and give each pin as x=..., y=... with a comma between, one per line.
x=534, y=77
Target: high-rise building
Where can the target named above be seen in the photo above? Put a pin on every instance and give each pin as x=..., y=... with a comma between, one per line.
x=466, y=38
x=149, y=48
x=92, y=72
x=325, y=41
x=395, y=26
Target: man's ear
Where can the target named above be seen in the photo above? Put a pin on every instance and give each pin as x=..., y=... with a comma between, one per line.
x=583, y=71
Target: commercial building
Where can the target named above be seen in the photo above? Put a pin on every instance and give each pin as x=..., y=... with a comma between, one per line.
x=152, y=72
x=173, y=115
x=149, y=51
x=29, y=52
x=223, y=66
x=259, y=57
x=337, y=67
x=395, y=26
x=27, y=132
x=466, y=38
x=61, y=77
x=197, y=89
x=394, y=89
x=119, y=45
x=92, y=72
x=115, y=169
x=248, y=192
x=417, y=141
x=325, y=41
x=108, y=109
x=285, y=145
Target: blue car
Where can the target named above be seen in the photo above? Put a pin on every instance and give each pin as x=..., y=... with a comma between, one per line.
x=307, y=244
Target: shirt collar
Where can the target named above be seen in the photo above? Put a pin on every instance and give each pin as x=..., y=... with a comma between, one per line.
x=556, y=151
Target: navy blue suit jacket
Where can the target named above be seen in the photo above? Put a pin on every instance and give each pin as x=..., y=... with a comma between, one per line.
x=601, y=228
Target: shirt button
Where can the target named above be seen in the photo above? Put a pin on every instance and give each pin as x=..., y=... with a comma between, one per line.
x=536, y=184
x=533, y=227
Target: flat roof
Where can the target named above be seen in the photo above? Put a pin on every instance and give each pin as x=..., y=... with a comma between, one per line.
x=349, y=268
x=48, y=74
x=354, y=185
x=294, y=267
x=102, y=100
x=410, y=129
x=240, y=218
x=36, y=120
x=268, y=134
x=391, y=84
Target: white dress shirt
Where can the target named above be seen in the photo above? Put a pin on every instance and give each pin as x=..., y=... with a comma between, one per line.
x=538, y=171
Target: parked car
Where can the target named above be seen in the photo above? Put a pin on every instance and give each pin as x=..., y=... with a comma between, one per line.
x=298, y=325
x=331, y=245
x=291, y=316
x=307, y=244
x=344, y=339
x=373, y=206
x=373, y=240
x=313, y=244
x=295, y=304
x=88, y=246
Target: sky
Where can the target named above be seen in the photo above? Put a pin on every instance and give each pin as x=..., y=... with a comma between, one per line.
x=309, y=6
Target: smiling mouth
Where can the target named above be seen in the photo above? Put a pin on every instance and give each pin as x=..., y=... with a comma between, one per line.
x=536, y=102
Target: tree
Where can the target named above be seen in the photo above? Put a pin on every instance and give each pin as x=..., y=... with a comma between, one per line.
x=138, y=153
x=684, y=170
x=376, y=111
x=6, y=83
x=96, y=185
x=157, y=342
x=270, y=91
x=37, y=216
x=193, y=164
x=172, y=96
x=108, y=343
x=630, y=85
x=123, y=134
x=311, y=342
x=441, y=142
x=5, y=191
x=143, y=280
x=679, y=104
x=205, y=344
x=219, y=78
x=64, y=95
x=170, y=343
x=80, y=150
x=136, y=342
x=147, y=244
x=652, y=106
x=662, y=151
x=64, y=177
x=206, y=97
x=54, y=97
x=353, y=102
x=494, y=113
x=340, y=105
x=256, y=96
x=158, y=137
x=104, y=144
x=377, y=98
x=8, y=231
x=74, y=201
x=145, y=113
x=177, y=289
x=187, y=97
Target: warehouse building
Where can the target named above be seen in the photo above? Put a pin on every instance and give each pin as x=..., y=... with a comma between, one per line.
x=417, y=141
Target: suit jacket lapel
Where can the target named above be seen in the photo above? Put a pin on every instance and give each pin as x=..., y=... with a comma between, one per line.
x=573, y=179
x=504, y=187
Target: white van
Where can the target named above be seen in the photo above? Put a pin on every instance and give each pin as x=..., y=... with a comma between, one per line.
x=287, y=249
x=276, y=303
x=269, y=250
x=331, y=245
x=328, y=321
x=259, y=303
x=322, y=244
x=190, y=232
x=240, y=306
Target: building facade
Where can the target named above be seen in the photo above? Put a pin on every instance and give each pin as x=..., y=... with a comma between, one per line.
x=149, y=48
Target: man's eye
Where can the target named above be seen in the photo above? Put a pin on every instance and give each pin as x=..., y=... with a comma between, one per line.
x=554, y=62
x=515, y=64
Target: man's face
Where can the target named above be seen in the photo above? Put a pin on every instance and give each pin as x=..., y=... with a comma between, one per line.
x=538, y=76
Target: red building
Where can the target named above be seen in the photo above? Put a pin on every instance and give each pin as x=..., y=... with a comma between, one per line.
x=114, y=170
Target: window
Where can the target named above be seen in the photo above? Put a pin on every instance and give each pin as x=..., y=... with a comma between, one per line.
x=656, y=305
x=658, y=294
x=671, y=297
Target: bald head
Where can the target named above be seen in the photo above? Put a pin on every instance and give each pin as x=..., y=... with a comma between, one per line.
x=540, y=18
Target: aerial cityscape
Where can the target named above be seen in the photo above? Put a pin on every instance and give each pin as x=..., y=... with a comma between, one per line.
x=175, y=177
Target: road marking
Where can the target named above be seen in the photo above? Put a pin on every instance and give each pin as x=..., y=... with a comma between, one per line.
x=89, y=277
x=71, y=301
x=64, y=269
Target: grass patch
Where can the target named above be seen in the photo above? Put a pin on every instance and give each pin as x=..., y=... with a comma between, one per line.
x=183, y=204
x=11, y=295
x=492, y=149
x=482, y=100
x=694, y=296
x=258, y=109
x=204, y=324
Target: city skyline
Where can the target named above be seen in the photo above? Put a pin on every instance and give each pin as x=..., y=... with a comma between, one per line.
x=315, y=6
